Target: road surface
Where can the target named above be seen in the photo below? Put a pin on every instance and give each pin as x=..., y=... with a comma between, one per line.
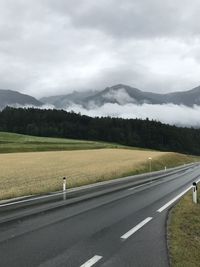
x=124, y=227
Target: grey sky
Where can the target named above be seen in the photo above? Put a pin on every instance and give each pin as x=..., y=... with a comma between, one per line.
x=50, y=47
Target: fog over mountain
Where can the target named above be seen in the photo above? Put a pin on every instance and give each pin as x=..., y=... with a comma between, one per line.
x=122, y=94
x=179, y=115
x=179, y=108
x=64, y=101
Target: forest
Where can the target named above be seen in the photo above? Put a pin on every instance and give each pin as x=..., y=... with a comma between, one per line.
x=130, y=132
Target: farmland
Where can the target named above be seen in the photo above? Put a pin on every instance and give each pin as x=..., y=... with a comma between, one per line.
x=32, y=168
x=10, y=143
x=40, y=172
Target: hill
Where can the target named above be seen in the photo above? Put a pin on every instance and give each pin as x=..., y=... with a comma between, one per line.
x=13, y=98
x=10, y=142
x=129, y=132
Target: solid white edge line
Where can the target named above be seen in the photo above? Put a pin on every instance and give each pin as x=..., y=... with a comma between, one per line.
x=136, y=228
x=173, y=200
x=92, y=261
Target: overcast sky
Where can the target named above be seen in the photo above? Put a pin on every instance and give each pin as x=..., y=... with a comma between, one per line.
x=50, y=47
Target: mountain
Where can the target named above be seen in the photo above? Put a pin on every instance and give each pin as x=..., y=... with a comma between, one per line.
x=13, y=98
x=187, y=98
x=123, y=94
x=118, y=94
x=63, y=101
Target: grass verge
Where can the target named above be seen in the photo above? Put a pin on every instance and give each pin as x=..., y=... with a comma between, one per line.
x=184, y=233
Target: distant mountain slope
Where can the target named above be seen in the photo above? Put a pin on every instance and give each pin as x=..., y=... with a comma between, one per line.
x=120, y=94
x=13, y=98
x=63, y=101
x=123, y=94
x=187, y=98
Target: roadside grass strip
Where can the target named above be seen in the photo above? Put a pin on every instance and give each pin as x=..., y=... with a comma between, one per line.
x=184, y=233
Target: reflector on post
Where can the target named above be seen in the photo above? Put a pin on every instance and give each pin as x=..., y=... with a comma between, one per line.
x=64, y=183
x=194, y=192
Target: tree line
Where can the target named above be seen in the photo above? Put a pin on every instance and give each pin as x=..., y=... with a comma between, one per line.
x=131, y=132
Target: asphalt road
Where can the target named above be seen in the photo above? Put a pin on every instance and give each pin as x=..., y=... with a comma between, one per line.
x=126, y=227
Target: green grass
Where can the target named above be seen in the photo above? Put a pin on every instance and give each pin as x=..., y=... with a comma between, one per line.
x=10, y=143
x=184, y=233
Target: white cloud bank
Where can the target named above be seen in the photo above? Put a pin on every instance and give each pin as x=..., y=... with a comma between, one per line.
x=167, y=113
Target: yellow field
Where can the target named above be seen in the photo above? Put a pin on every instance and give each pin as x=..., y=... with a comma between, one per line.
x=39, y=172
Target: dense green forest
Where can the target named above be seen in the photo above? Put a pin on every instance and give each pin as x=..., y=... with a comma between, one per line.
x=131, y=132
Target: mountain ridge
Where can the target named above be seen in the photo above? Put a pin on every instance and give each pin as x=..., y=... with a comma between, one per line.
x=120, y=94
x=124, y=94
x=14, y=98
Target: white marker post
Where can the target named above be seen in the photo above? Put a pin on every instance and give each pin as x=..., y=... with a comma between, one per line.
x=165, y=168
x=64, y=188
x=194, y=192
x=64, y=184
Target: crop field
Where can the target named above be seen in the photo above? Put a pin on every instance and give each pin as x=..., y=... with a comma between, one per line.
x=10, y=143
x=40, y=172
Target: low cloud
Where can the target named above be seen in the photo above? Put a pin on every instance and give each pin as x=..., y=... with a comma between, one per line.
x=121, y=96
x=179, y=115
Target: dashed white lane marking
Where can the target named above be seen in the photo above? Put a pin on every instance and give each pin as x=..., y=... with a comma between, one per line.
x=173, y=200
x=92, y=261
x=136, y=228
x=135, y=187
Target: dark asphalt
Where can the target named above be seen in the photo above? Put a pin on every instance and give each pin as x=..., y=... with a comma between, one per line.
x=73, y=234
